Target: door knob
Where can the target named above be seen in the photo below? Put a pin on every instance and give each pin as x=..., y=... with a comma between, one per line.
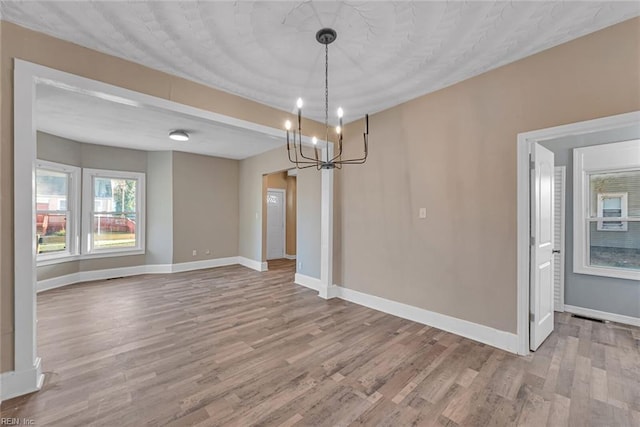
x=555, y=251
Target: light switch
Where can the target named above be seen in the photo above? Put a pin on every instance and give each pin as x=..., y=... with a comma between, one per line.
x=422, y=213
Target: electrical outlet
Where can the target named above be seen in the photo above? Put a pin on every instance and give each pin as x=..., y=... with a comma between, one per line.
x=422, y=213
x=300, y=265
x=194, y=253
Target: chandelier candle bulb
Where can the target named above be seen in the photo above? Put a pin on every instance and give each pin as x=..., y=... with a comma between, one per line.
x=287, y=126
x=299, y=104
x=314, y=140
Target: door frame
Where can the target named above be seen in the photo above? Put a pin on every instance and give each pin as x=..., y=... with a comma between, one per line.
x=523, y=144
x=284, y=218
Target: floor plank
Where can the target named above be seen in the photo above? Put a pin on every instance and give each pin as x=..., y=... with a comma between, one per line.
x=231, y=346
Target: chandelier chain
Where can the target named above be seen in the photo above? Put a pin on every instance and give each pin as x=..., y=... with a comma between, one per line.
x=326, y=92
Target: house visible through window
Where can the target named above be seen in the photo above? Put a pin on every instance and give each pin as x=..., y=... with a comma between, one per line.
x=614, y=241
x=116, y=222
x=57, y=189
x=612, y=205
x=607, y=210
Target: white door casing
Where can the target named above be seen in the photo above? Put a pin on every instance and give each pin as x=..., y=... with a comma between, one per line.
x=541, y=299
x=276, y=221
x=558, y=237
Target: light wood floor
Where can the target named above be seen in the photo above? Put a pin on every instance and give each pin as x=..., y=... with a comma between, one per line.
x=230, y=346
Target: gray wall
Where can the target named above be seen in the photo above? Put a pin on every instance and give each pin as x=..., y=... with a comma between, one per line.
x=205, y=207
x=598, y=293
x=61, y=150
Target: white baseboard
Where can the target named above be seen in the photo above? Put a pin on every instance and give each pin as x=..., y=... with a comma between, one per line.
x=88, y=276
x=308, y=282
x=200, y=265
x=603, y=315
x=287, y=256
x=253, y=264
x=17, y=383
x=504, y=340
x=159, y=268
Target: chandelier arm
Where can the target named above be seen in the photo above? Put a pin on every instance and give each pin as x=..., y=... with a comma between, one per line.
x=351, y=162
x=294, y=149
x=337, y=156
x=306, y=157
x=307, y=166
x=310, y=161
x=358, y=160
x=339, y=148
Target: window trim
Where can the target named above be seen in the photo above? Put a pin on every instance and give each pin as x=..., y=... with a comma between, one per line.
x=88, y=209
x=73, y=213
x=596, y=159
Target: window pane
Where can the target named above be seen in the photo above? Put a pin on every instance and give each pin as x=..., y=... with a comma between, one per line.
x=111, y=231
x=51, y=230
x=605, y=184
x=114, y=195
x=52, y=189
x=619, y=249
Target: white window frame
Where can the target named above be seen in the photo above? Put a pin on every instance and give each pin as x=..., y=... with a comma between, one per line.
x=597, y=159
x=73, y=214
x=623, y=214
x=88, y=251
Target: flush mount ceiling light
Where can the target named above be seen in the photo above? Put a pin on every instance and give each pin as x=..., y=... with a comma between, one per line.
x=325, y=36
x=179, y=135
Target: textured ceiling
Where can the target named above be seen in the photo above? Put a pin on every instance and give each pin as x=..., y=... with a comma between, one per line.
x=94, y=120
x=386, y=52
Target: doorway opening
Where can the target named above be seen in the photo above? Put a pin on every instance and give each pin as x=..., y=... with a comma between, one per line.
x=279, y=215
x=528, y=219
x=29, y=79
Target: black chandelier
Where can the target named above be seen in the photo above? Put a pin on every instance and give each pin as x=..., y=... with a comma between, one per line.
x=302, y=161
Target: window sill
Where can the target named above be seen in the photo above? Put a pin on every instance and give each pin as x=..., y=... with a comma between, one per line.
x=57, y=259
x=615, y=273
x=68, y=258
x=109, y=254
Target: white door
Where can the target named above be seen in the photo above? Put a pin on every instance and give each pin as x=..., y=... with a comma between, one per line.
x=541, y=282
x=275, y=224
